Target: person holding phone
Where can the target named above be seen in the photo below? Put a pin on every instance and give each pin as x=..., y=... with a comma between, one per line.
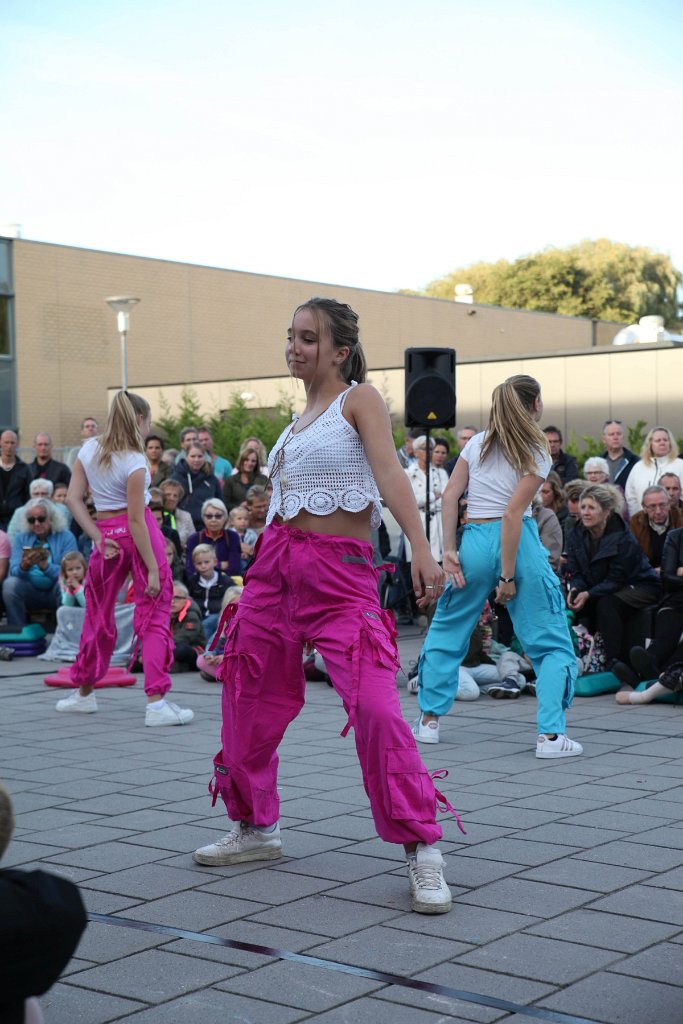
x=126, y=540
x=38, y=548
x=501, y=469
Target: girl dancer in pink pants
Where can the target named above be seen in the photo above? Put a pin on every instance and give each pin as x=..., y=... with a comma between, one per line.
x=313, y=582
x=126, y=538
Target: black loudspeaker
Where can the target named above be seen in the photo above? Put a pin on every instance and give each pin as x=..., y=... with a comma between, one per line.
x=430, y=387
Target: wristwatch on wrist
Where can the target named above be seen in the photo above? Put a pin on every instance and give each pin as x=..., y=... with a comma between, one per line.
x=506, y=579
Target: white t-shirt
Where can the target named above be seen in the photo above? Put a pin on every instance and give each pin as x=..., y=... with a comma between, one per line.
x=109, y=484
x=493, y=482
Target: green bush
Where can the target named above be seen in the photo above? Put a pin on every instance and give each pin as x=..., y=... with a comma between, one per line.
x=229, y=426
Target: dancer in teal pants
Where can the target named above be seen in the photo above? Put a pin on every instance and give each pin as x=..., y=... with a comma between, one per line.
x=501, y=469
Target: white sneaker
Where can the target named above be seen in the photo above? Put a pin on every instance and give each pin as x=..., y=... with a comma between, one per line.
x=429, y=893
x=244, y=843
x=561, y=747
x=162, y=712
x=74, y=702
x=426, y=733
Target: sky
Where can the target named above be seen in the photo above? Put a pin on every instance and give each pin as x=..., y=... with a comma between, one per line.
x=372, y=144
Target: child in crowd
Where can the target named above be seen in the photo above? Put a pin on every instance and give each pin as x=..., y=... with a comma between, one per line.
x=186, y=627
x=208, y=662
x=238, y=520
x=207, y=586
x=71, y=576
x=175, y=562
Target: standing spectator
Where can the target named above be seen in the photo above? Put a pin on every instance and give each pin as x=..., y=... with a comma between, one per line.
x=257, y=443
x=154, y=450
x=44, y=467
x=438, y=478
x=672, y=486
x=619, y=459
x=245, y=476
x=658, y=456
x=564, y=465
x=405, y=453
x=89, y=428
x=14, y=478
x=651, y=525
x=190, y=436
x=464, y=435
x=221, y=467
x=198, y=482
x=440, y=452
x=37, y=553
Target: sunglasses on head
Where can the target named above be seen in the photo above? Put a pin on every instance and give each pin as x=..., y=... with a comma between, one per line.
x=36, y=519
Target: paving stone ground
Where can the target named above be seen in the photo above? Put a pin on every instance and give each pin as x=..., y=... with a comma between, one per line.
x=567, y=886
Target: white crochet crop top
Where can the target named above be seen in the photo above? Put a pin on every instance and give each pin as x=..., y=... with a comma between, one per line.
x=322, y=468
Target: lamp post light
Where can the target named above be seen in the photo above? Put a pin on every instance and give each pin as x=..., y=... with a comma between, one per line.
x=122, y=305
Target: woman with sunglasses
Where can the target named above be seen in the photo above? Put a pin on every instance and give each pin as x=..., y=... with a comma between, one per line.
x=41, y=541
x=313, y=582
x=225, y=541
x=126, y=540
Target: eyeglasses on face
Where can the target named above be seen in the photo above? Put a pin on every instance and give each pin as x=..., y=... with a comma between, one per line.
x=653, y=508
x=213, y=515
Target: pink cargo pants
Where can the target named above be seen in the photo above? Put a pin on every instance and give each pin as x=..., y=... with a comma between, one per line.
x=312, y=588
x=151, y=619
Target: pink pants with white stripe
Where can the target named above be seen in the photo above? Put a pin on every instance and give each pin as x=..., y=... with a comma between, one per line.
x=312, y=588
x=104, y=580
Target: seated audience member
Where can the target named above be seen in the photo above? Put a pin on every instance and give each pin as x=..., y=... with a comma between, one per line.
x=552, y=496
x=257, y=443
x=465, y=434
x=37, y=553
x=208, y=662
x=154, y=450
x=247, y=474
x=563, y=464
x=175, y=562
x=619, y=459
x=220, y=466
x=14, y=478
x=258, y=503
x=198, y=482
x=658, y=455
x=238, y=520
x=37, y=489
x=611, y=579
x=550, y=532
x=44, y=467
x=42, y=918
x=85, y=544
x=651, y=525
x=668, y=682
x=71, y=578
x=187, y=630
x=172, y=493
x=59, y=494
x=596, y=470
x=572, y=494
x=156, y=507
x=206, y=586
x=666, y=647
x=226, y=542
x=672, y=486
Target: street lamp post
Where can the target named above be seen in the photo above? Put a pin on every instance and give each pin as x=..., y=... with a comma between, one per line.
x=122, y=305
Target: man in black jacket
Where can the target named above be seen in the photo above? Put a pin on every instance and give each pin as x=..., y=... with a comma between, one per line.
x=42, y=918
x=44, y=467
x=619, y=459
x=14, y=478
x=564, y=465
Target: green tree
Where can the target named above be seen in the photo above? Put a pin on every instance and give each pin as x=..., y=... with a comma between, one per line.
x=601, y=279
x=229, y=426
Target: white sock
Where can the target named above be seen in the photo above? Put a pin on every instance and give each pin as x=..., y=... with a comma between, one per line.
x=156, y=704
x=265, y=829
